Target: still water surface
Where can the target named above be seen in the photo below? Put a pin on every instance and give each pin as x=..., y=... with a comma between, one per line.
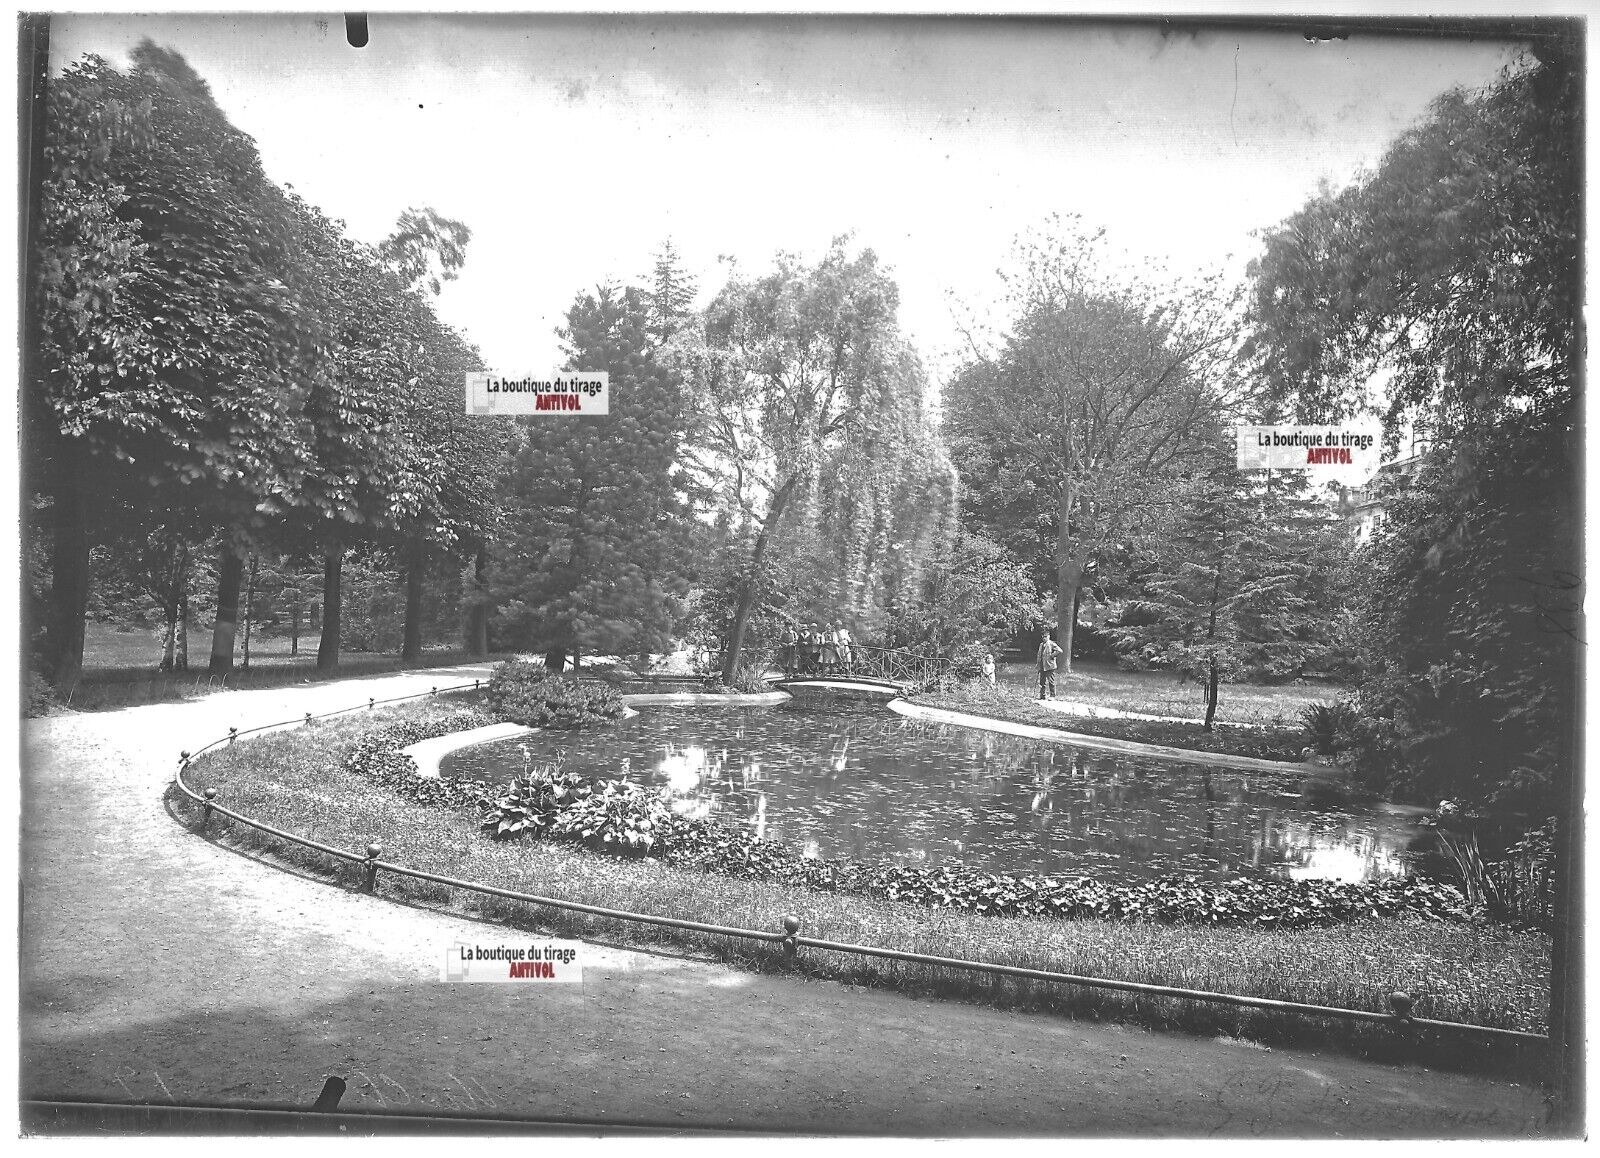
x=867, y=784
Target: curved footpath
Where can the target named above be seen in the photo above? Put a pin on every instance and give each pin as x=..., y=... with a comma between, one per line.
x=158, y=967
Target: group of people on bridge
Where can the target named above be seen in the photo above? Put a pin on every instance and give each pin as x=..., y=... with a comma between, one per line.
x=813, y=649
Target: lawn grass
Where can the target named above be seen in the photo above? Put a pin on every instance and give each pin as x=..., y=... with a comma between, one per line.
x=1006, y=701
x=1158, y=693
x=1480, y=974
x=119, y=669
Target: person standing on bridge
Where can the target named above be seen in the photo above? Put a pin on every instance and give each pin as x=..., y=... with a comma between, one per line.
x=1049, y=650
x=842, y=641
x=830, y=649
x=811, y=648
x=788, y=649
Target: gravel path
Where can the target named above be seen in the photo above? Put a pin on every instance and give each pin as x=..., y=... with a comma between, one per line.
x=157, y=967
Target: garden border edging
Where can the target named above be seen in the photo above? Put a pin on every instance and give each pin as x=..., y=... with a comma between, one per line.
x=1127, y=747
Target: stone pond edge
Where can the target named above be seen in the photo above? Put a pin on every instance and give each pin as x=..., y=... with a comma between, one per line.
x=1106, y=743
x=429, y=754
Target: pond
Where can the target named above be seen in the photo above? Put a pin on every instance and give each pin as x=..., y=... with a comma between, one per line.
x=868, y=784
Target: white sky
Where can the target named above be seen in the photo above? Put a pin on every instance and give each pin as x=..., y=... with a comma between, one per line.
x=573, y=145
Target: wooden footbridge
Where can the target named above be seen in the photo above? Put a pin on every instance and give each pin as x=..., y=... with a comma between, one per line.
x=861, y=672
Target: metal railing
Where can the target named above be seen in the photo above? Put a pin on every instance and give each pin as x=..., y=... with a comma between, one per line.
x=894, y=664
x=790, y=940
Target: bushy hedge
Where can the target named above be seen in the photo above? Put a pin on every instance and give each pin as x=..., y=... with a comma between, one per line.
x=525, y=693
x=624, y=818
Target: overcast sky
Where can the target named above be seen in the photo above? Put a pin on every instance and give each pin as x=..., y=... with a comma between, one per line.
x=573, y=145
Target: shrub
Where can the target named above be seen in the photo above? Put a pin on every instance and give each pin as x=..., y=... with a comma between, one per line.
x=751, y=680
x=1329, y=728
x=38, y=697
x=530, y=803
x=524, y=693
x=616, y=816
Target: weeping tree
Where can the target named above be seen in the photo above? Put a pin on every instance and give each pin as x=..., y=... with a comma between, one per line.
x=876, y=512
x=803, y=383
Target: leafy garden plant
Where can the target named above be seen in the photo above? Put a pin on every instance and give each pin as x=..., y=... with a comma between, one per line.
x=525, y=693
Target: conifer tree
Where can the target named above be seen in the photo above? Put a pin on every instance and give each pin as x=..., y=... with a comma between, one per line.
x=1229, y=582
x=589, y=554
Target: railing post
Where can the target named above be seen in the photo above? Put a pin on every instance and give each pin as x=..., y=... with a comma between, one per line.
x=1400, y=1004
x=791, y=926
x=205, y=814
x=370, y=884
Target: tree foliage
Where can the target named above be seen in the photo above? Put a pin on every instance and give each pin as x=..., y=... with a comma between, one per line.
x=1230, y=582
x=1449, y=277
x=591, y=553
x=805, y=387
x=1472, y=625
x=1451, y=269
x=1106, y=388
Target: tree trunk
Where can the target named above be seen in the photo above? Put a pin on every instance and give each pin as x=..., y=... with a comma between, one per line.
x=177, y=582
x=182, y=660
x=249, y=608
x=477, y=640
x=741, y=620
x=1069, y=570
x=294, y=632
x=1213, y=677
x=416, y=565
x=745, y=608
x=1067, y=596
x=169, y=638
x=332, y=572
x=230, y=576
x=69, y=578
x=555, y=661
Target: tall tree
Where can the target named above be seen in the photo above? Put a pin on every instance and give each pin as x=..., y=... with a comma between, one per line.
x=1230, y=581
x=671, y=293
x=1451, y=276
x=170, y=342
x=589, y=553
x=791, y=371
x=1105, y=389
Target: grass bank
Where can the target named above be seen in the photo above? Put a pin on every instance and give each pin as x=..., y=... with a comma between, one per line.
x=120, y=669
x=1485, y=975
x=1162, y=693
x=1006, y=701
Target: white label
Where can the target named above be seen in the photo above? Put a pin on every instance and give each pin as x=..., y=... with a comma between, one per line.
x=569, y=392
x=1347, y=448
x=537, y=962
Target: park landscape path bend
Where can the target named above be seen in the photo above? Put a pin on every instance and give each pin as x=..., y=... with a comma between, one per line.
x=159, y=967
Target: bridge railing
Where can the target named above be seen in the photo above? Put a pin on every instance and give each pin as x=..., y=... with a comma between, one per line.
x=896, y=664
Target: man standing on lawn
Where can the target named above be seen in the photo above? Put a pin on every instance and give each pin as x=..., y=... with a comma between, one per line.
x=1049, y=650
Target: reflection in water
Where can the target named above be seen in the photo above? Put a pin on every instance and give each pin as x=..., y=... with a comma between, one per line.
x=872, y=785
